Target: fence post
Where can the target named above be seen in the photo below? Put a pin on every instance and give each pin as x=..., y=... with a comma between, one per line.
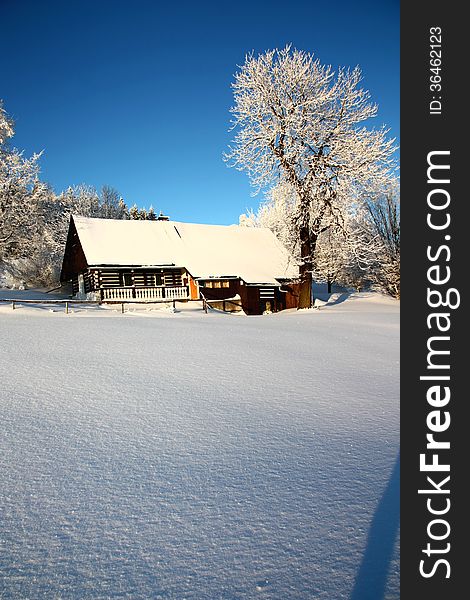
x=13, y=305
x=66, y=308
x=122, y=307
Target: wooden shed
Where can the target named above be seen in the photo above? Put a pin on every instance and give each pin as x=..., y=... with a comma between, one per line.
x=163, y=260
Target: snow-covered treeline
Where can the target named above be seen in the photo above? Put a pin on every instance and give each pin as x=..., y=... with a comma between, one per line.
x=34, y=218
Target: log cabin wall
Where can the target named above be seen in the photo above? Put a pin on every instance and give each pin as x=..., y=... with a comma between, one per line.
x=138, y=277
x=121, y=283
x=74, y=258
x=255, y=299
x=74, y=285
x=89, y=281
x=250, y=299
x=290, y=292
x=108, y=279
x=223, y=289
x=264, y=298
x=220, y=288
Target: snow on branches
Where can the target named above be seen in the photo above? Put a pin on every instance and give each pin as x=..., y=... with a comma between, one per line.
x=34, y=220
x=363, y=253
x=300, y=124
x=20, y=192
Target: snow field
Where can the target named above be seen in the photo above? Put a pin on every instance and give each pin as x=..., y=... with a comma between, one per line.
x=200, y=456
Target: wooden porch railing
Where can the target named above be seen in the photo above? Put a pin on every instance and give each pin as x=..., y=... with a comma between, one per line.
x=147, y=293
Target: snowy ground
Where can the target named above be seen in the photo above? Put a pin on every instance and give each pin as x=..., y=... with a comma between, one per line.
x=192, y=456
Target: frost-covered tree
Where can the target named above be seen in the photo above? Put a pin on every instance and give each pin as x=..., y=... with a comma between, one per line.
x=6, y=126
x=81, y=200
x=358, y=254
x=30, y=215
x=141, y=214
x=299, y=123
x=335, y=248
x=134, y=212
x=123, y=210
x=20, y=195
x=33, y=219
x=372, y=252
x=332, y=256
x=110, y=206
x=383, y=217
x=85, y=200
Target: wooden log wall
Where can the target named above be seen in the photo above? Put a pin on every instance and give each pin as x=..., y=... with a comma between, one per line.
x=139, y=278
x=109, y=279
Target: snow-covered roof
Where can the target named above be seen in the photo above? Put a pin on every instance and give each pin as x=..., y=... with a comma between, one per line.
x=252, y=253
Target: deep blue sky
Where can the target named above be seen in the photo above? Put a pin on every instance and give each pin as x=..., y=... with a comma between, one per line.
x=136, y=94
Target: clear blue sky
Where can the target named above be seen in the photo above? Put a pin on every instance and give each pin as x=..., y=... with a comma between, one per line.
x=136, y=94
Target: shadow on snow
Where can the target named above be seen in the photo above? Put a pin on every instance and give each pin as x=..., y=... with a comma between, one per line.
x=371, y=578
x=341, y=298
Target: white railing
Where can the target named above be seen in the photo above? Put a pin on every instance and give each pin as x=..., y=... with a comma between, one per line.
x=116, y=293
x=149, y=293
x=143, y=294
x=176, y=292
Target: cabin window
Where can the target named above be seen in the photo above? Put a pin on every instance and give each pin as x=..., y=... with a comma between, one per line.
x=208, y=284
x=126, y=279
x=225, y=284
x=153, y=279
x=217, y=284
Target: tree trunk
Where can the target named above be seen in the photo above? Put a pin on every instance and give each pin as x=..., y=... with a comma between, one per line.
x=329, y=286
x=305, y=294
x=307, y=248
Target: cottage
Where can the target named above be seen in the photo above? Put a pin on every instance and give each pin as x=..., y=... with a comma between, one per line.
x=164, y=260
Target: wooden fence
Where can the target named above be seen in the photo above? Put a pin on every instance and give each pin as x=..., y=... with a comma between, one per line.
x=67, y=303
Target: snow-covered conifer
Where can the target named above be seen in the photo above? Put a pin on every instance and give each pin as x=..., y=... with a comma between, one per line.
x=134, y=212
x=123, y=210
